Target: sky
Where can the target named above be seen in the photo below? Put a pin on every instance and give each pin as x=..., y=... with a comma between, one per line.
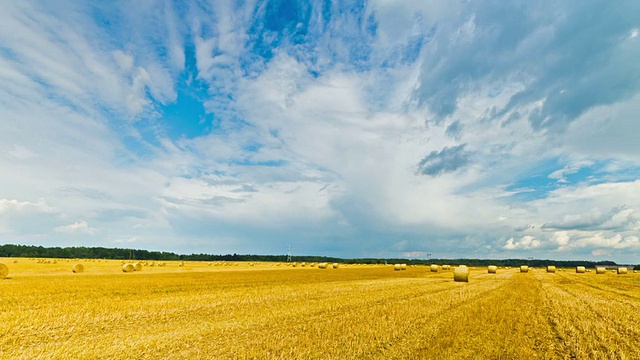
x=382, y=128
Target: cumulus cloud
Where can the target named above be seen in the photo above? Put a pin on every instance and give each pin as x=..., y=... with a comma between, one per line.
x=79, y=227
x=525, y=243
x=447, y=160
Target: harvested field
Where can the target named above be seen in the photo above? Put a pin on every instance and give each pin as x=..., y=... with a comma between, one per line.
x=198, y=311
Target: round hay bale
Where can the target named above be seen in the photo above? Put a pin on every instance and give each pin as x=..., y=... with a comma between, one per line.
x=580, y=269
x=396, y=267
x=153, y=263
x=77, y=268
x=4, y=271
x=601, y=270
x=551, y=269
x=294, y=264
x=492, y=269
x=137, y=266
x=461, y=274
x=181, y=264
x=322, y=265
x=446, y=267
x=303, y=264
x=128, y=268
x=403, y=266
x=622, y=270
x=434, y=268
x=15, y=261
x=335, y=265
x=524, y=268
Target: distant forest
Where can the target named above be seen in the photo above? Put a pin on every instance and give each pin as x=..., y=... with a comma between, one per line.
x=82, y=252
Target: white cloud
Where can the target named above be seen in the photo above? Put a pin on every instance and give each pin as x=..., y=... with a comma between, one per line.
x=525, y=243
x=79, y=227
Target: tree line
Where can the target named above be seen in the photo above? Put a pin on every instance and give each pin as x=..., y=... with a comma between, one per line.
x=30, y=251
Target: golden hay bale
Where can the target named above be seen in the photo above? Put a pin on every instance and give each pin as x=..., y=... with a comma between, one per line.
x=128, y=268
x=302, y=264
x=446, y=267
x=461, y=274
x=434, y=268
x=137, y=266
x=312, y=265
x=580, y=269
x=294, y=264
x=15, y=261
x=622, y=270
x=524, y=268
x=322, y=265
x=4, y=271
x=601, y=270
x=77, y=268
x=551, y=269
x=396, y=267
x=335, y=265
x=181, y=263
x=403, y=266
x=492, y=269
x=153, y=263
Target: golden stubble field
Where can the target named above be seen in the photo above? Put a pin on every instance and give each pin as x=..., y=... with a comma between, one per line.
x=264, y=311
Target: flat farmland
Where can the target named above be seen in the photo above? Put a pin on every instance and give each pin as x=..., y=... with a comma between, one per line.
x=203, y=310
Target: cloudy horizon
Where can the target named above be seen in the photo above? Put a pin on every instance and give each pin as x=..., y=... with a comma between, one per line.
x=361, y=129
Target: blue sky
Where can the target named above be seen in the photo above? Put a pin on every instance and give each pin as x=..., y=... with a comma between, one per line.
x=356, y=129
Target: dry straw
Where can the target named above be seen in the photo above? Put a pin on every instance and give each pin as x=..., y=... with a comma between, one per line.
x=461, y=274
x=551, y=269
x=580, y=269
x=403, y=266
x=396, y=267
x=322, y=265
x=492, y=269
x=335, y=265
x=128, y=268
x=524, y=269
x=622, y=270
x=77, y=268
x=137, y=266
x=446, y=267
x=434, y=268
x=601, y=270
x=4, y=271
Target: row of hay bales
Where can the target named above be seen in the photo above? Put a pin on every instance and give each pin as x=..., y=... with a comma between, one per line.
x=436, y=267
x=399, y=267
x=583, y=269
x=324, y=265
x=131, y=267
